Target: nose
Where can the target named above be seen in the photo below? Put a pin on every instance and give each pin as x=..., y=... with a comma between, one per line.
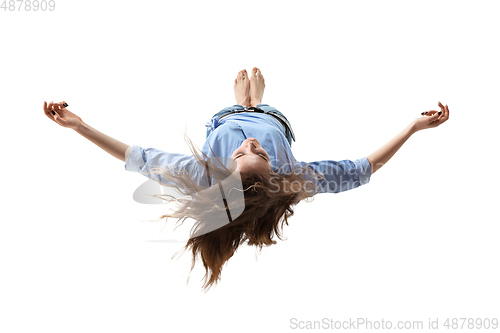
x=251, y=145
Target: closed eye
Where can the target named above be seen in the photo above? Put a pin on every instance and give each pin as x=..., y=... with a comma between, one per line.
x=261, y=155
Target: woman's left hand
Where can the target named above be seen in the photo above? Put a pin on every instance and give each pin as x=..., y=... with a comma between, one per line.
x=58, y=113
x=432, y=118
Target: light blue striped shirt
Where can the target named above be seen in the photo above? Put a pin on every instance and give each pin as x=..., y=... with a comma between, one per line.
x=229, y=133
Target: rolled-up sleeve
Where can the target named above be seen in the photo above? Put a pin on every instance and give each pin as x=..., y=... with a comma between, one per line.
x=143, y=160
x=340, y=176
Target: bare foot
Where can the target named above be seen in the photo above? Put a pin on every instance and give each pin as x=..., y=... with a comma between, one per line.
x=242, y=88
x=257, y=86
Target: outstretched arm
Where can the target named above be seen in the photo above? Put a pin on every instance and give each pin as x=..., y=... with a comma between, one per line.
x=112, y=146
x=431, y=119
x=379, y=157
x=65, y=118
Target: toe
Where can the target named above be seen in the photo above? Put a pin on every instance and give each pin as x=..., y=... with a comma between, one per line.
x=254, y=71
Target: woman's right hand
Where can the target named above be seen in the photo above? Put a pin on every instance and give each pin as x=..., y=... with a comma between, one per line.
x=432, y=118
x=61, y=116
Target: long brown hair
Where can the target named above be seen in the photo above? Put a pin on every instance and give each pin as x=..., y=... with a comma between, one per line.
x=269, y=201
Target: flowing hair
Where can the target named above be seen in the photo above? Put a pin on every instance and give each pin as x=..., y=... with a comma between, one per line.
x=269, y=200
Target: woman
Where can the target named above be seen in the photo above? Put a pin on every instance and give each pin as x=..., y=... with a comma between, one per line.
x=245, y=185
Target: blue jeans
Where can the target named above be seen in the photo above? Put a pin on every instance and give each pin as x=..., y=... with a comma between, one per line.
x=267, y=109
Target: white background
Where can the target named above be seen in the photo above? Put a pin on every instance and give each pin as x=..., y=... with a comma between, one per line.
x=419, y=241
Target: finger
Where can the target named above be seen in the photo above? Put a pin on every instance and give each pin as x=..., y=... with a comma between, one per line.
x=433, y=115
x=53, y=111
x=61, y=121
x=63, y=104
x=444, y=112
x=430, y=113
x=57, y=116
x=433, y=120
x=49, y=112
x=50, y=107
x=46, y=110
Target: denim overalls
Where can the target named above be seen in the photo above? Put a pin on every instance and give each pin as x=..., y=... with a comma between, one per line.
x=262, y=108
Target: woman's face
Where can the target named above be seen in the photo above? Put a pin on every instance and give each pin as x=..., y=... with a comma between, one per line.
x=251, y=156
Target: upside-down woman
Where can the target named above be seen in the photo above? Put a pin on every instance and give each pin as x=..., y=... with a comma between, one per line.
x=244, y=183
